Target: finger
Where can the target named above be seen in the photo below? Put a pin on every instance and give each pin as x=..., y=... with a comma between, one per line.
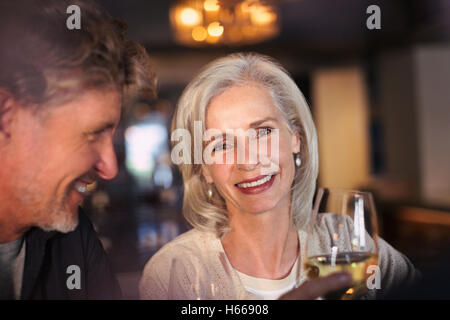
x=321, y=286
x=312, y=289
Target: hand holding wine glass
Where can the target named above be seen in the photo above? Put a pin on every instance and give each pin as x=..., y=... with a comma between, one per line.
x=342, y=237
x=315, y=288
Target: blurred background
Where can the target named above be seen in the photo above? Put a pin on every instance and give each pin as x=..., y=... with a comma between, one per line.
x=377, y=81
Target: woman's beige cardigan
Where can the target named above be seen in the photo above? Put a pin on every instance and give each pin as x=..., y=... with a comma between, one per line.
x=200, y=259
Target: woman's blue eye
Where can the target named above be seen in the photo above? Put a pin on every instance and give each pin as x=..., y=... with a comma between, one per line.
x=219, y=147
x=264, y=131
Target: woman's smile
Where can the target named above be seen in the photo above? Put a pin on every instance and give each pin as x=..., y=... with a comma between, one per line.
x=256, y=185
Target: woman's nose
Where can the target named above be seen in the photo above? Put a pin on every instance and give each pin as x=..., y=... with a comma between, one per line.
x=247, y=155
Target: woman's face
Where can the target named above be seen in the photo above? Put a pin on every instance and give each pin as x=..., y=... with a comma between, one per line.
x=250, y=186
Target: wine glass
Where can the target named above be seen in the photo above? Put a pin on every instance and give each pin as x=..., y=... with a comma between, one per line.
x=342, y=236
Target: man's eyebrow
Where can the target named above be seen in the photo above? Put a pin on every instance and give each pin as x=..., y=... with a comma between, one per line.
x=105, y=127
x=259, y=122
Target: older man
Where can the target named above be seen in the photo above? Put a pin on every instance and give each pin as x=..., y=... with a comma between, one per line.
x=61, y=92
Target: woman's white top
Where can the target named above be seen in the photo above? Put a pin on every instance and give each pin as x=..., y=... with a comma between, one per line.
x=268, y=289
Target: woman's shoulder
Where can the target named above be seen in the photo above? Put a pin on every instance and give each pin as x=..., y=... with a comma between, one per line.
x=187, y=250
x=190, y=240
x=186, y=246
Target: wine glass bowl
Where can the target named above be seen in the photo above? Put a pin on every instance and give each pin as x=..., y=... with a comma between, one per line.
x=342, y=236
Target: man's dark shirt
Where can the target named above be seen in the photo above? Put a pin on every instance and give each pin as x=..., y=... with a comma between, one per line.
x=48, y=256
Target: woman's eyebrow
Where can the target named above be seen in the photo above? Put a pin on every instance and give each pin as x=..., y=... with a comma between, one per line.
x=219, y=137
x=254, y=124
x=260, y=122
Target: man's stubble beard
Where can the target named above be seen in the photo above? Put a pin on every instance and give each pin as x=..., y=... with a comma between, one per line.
x=63, y=220
x=52, y=217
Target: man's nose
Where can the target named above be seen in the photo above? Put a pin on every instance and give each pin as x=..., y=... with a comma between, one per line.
x=106, y=166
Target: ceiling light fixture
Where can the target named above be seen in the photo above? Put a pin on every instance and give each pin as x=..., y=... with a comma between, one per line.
x=229, y=22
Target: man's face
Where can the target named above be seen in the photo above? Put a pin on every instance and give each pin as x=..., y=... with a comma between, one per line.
x=50, y=160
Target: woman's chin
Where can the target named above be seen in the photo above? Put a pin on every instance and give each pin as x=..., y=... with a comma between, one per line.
x=258, y=208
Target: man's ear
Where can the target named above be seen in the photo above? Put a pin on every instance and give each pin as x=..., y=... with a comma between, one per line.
x=8, y=106
x=206, y=174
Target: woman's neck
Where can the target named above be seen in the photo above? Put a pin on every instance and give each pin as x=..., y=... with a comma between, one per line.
x=262, y=245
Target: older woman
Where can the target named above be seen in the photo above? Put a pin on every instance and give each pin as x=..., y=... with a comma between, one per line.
x=249, y=213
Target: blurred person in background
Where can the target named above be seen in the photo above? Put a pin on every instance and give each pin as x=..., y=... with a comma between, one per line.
x=61, y=94
x=249, y=217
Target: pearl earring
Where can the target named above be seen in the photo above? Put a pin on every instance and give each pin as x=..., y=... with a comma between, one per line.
x=210, y=192
x=298, y=160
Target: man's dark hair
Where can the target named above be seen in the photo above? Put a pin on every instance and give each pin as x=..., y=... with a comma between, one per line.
x=42, y=62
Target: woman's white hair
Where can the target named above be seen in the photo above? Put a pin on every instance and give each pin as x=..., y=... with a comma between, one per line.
x=236, y=70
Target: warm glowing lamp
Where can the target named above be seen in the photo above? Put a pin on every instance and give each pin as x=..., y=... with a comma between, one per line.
x=211, y=5
x=189, y=17
x=213, y=22
x=215, y=29
x=199, y=33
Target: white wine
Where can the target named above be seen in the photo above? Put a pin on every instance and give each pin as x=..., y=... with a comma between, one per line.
x=354, y=263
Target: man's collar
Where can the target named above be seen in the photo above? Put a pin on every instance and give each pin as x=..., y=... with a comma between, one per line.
x=37, y=234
